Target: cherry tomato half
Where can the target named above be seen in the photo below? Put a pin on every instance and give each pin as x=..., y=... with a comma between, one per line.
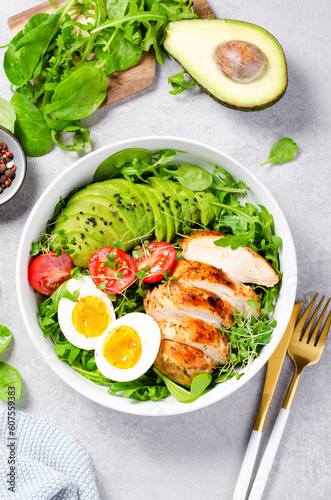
x=116, y=279
x=162, y=257
x=48, y=272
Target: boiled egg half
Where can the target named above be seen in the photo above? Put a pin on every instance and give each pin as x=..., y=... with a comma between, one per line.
x=85, y=321
x=129, y=347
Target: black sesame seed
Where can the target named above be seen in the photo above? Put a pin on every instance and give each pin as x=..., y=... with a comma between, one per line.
x=148, y=210
x=86, y=229
x=200, y=195
x=101, y=232
x=79, y=247
x=119, y=220
x=141, y=204
x=82, y=235
x=77, y=218
x=171, y=212
x=82, y=213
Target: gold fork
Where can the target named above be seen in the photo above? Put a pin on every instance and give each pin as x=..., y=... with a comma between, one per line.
x=304, y=349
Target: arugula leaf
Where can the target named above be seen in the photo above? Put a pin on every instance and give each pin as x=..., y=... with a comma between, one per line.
x=282, y=151
x=181, y=82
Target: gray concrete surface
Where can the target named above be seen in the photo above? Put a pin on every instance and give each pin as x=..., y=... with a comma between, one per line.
x=198, y=455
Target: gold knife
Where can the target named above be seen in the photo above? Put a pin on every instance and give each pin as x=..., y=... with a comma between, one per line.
x=275, y=364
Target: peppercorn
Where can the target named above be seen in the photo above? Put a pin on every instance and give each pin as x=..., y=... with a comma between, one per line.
x=3, y=145
x=14, y=168
x=8, y=182
x=10, y=174
x=3, y=168
x=3, y=179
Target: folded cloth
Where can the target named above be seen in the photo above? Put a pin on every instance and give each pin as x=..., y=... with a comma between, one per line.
x=47, y=463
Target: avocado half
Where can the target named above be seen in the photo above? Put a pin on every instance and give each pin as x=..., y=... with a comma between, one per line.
x=194, y=43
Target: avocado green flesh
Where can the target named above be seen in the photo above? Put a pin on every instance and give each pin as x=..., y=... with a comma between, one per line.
x=164, y=207
x=207, y=213
x=192, y=44
x=113, y=218
x=160, y=225
x=118, y=210
x=120, y=203
x=167, y=191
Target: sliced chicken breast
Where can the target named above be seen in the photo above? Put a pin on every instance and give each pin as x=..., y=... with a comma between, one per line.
x=199, y=334
x=181, y=362
x=199, y=274
x=175, y=301
x=243, y=264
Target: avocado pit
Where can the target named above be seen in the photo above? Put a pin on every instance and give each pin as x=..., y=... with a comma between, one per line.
x=240, y=61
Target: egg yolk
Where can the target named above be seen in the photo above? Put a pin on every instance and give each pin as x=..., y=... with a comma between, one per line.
x=122, y=348
x=90, y=316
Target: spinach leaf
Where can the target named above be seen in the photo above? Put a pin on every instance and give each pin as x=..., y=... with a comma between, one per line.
x=5, y=337
x=192, y=177
x=112, y=165
x=181, y=82
x=11, y=62
x=283, y=151
x=31, y=47
x=7, y=115
x=199, y=386
x=9, y=378
x=79, y=95
x=116, y=51
x=30, y=126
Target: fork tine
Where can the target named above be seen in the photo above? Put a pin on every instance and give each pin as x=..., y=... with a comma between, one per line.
x=300, y=324
x=322, y=338
x=306, y=333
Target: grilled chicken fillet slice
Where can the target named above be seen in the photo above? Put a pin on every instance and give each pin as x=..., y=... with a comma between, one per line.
x=181, y=362
x=199, y=334
x=175, y=301
x=199, y=274
x=243, y=264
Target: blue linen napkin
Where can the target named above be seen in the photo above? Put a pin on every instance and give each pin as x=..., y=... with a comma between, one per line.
x=49, y=463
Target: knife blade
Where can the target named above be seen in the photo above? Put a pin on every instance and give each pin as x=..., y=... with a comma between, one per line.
x=275, y=364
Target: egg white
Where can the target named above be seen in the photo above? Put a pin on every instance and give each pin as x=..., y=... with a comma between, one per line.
x=85, y=287
x=150, y=336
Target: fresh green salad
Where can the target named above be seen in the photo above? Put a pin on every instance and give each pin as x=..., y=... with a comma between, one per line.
x=59, y=63
x=139, y=207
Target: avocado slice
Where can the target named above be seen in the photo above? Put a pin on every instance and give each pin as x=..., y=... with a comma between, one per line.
x=83, y=248
x=206, y=211
x=212, y=199
x=240, y=65
x=121, y=212
x=109, y=216
x=136, y=197
x=160, y=224
x=169, y=197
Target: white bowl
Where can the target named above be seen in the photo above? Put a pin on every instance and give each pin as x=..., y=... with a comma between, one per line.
x=80, y=174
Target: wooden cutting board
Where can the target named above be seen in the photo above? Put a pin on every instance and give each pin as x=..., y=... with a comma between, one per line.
x=123, y=83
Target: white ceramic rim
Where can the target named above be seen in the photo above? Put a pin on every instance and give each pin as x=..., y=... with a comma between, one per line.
x=27, y=299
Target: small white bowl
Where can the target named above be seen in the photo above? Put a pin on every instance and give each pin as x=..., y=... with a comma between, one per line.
x=80, y=174
x=19, y=159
